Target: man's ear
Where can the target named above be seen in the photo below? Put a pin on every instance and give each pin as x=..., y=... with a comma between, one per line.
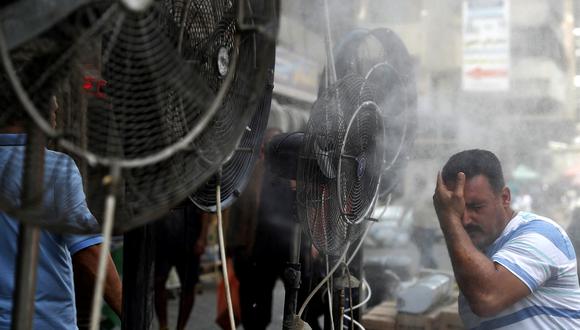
x=506, y=197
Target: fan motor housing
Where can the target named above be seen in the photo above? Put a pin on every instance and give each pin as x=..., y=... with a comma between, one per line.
x=282, y=154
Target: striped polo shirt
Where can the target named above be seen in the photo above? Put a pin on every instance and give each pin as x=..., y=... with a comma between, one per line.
x=538, y=251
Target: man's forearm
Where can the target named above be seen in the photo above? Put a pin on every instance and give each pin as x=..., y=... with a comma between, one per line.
x=473, y=270
x=113, y=289
x=85, y=262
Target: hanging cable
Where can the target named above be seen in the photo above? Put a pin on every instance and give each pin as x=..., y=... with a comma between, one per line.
x=331, y=64
x=223, y=252
x=311, y=295
x=364, y=282
x=354, y=322
x=366, y=300
x=329, y=295
x=360, y=243
x=324, y=280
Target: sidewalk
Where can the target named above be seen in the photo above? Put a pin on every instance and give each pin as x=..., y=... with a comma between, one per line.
x=204, y=311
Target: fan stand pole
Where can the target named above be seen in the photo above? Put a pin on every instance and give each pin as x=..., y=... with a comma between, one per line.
x=355, y=270
x=29, y=235
x=338, y=299
x=331, y=72
x=292, y=276
x=109, y=217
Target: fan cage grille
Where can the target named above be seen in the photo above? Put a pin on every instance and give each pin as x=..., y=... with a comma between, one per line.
x=329, y=223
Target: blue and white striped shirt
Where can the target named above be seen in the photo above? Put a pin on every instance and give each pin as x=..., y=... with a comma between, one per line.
x=538, y=251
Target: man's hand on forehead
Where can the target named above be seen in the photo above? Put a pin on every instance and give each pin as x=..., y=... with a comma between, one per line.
x=448, y=198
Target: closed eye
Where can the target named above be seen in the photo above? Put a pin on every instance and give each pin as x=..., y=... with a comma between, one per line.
x=475, y=207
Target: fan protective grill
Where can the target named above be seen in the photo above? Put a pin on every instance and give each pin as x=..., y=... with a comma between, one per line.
x=144, y=81
x=331, y=134
x=394, y=104
x=236, y=172
x=360, y=163
x=381, y=57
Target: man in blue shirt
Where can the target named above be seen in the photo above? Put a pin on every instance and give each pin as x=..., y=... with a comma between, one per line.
x=64, y=201
x=515, y=270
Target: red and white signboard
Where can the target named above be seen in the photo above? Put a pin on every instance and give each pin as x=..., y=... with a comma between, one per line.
x=486, y=45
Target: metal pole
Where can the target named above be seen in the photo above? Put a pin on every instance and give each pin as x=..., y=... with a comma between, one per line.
x=29, y=235
x=109, y=219
x=292, y=275
x=357, y=271
x=138, y=272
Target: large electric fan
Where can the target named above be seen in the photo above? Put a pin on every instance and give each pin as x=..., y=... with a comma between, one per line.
x=339, y=166
x=381, y=57
x=169, y=89
x=235, y=173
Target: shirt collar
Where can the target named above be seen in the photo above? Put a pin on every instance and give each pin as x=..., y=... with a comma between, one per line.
x=513, y=224
x=12, y=139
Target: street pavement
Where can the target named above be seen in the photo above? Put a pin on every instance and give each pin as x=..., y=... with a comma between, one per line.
x=204, y=311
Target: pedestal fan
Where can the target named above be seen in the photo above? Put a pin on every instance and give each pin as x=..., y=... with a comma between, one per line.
x=361, y=128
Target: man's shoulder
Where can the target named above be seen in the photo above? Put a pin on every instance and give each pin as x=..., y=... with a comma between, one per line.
x=538, y=233
x=529, y=230
x=527, y=222
x=57, y=156
x=58, y=164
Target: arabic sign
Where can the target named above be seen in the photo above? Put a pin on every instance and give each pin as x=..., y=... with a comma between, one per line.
x=486, y=45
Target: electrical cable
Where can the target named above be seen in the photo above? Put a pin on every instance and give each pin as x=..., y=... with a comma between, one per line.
x=366, y=300
x=331, y=64
x=364, y=282
x=329, y=295
x=354, y=322
x=324, y=280
x=360, y=243
x=223, y=255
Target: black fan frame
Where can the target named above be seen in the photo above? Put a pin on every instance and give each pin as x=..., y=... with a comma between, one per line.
x=400, y=123
x=326, y=219
x=141, y=203
x=235, y=172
